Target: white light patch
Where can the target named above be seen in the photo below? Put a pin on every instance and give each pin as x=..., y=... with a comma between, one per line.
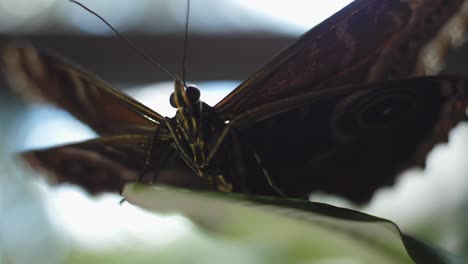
x=102, y=222
x=46, y=126
x=423, y=195
x=300, y=13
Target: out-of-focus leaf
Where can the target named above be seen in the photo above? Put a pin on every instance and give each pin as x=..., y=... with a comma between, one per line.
x=304, y=231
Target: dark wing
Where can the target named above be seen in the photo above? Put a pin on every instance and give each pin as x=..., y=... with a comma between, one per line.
x=43, y=76
x=369, y=40
x=352, y=140
x=107, y=163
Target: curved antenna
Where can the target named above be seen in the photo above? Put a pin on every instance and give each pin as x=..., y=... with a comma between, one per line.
x=153, y=62
x=184, y=57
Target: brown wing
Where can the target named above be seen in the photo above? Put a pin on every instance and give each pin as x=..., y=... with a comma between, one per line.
x=42, y=76
x=369, y=40
x=107, y=163
x=351, y=140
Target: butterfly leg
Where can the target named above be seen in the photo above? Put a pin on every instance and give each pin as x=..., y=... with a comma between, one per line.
x=147, y=165
x=240, y=162
x=237, y=159
x=184, y=155
x=267, y=175
x=168, y=155
x=218, y=142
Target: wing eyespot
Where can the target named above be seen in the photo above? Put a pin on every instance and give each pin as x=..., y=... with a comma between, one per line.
x=376, y=112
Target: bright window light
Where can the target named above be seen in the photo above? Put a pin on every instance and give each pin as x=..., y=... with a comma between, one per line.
x=298, y=13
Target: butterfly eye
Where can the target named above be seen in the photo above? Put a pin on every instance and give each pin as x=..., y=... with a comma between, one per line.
x=193, y=93
x=172, y=100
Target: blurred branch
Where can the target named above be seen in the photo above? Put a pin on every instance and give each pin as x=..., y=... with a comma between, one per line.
x=209, y=57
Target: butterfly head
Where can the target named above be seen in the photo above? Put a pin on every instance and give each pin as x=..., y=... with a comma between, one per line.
x=184, y=97
x=189, y=121
x=194, y=125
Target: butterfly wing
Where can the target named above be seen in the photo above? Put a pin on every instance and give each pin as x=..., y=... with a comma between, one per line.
x=107, y=163
x=353, y=139
x=369, y=40
x=43, y=76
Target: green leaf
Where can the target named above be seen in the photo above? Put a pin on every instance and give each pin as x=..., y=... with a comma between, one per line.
x=303, y=231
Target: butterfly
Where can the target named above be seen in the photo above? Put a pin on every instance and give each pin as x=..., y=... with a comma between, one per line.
x=337, y=111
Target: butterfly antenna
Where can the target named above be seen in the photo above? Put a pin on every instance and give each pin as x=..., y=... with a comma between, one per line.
x=159, y=66
x=184, y=58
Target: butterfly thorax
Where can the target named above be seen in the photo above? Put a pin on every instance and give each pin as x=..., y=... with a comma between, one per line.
x=195, y=130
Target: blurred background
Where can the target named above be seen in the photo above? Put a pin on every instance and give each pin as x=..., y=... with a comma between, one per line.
x=228, y=41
